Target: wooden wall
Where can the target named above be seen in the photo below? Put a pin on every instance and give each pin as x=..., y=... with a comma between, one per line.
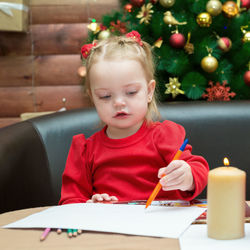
x=39, y=68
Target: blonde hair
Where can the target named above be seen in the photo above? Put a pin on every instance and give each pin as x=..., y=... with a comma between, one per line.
x=126, y=48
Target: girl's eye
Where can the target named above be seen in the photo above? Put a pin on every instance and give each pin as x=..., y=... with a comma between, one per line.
x=105, y=97
x=132, y=92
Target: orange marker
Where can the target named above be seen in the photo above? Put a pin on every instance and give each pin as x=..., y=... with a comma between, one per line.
x=158, y=186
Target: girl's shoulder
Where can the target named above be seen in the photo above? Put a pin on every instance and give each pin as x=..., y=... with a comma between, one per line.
x=81, y=140
x=167, y=126
x=167, y=130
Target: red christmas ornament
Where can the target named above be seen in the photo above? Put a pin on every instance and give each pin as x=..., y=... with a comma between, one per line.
x=119, y=26
x=224, y=43
x=137, y=3
x=86, y=48
x=128, y=7
x=218, y=92
x=245, y=4
x=177, y=40
x=247, y=78
x=153, y=1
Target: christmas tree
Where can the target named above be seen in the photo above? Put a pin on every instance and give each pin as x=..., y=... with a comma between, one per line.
x=201, y=47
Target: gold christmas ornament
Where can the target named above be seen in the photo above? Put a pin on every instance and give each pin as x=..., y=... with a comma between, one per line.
x=209, y=63
x=230, y=9
x=158, y=43
x=204, y=19
x=104, y=34
x=173, y=87
x=214, y=7
x=145, y=13
x=94, y=26
x=189, y=47
x=81, y=71
x=169, y=19
x=224, y=43
x=167, y=3
x=246, y=37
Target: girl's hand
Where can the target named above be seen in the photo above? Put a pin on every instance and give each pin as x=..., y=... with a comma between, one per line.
x=95, y=198
x=178, y=175
x=101, y=197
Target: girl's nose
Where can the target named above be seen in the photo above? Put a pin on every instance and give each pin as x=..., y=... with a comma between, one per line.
x=119, y=101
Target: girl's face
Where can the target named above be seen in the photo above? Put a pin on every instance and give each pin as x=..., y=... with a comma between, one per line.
x=121, y=94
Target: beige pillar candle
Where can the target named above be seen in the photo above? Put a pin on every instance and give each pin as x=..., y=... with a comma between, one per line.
x=226, y=203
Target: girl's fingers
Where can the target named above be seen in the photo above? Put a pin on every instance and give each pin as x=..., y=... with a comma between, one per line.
x=105, y=197
x=161, y=172
x=113, y=198
x=102, y=197
x=97, y=197
x=172, y=177
x=170, y=188
x=174, y=184
x=172, y=166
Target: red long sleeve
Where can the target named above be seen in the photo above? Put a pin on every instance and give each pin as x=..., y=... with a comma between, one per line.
x=169, y=138
x=76, y=187
x=128, y=167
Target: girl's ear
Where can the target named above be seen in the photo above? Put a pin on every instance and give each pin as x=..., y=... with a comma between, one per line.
x=151, y=90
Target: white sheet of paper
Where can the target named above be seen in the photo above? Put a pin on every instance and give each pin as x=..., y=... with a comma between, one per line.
x=195, y=238
x=154, y=221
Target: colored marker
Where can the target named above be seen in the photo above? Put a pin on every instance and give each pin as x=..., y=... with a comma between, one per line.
x=70, y=232
x=158, y=186
x=45, y=234
x=74, y=232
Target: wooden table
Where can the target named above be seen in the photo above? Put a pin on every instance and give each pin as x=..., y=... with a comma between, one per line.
x=29, y=239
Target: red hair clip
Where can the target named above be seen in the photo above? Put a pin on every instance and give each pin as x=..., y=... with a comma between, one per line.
x=86, y=48
x=136, y=36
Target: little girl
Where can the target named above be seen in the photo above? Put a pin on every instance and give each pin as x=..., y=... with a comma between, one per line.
x=126, y=159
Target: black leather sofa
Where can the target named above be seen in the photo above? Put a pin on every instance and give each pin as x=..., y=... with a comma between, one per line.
x=33, y=152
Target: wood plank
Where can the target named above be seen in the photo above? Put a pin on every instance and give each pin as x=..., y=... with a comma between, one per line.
x=16, y=71
x=57, y=2
x=71, y=11
x=15, y=43
x=47, y=70
x=59, y=14
x=17, y=100
x=59, y=38
x=50, y=98
x=47, y=39
x=57, y=70
x=99, y=8
x=9, y=121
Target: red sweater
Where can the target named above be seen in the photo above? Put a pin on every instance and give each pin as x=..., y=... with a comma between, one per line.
x=127, y=168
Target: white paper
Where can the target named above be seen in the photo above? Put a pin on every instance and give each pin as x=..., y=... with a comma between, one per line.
x=195, y=238
x=154, y=221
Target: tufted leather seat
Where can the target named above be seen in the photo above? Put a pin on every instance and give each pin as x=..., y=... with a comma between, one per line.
x=33, y=152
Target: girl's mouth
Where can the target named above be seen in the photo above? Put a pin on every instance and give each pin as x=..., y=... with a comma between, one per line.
x=121, y=115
